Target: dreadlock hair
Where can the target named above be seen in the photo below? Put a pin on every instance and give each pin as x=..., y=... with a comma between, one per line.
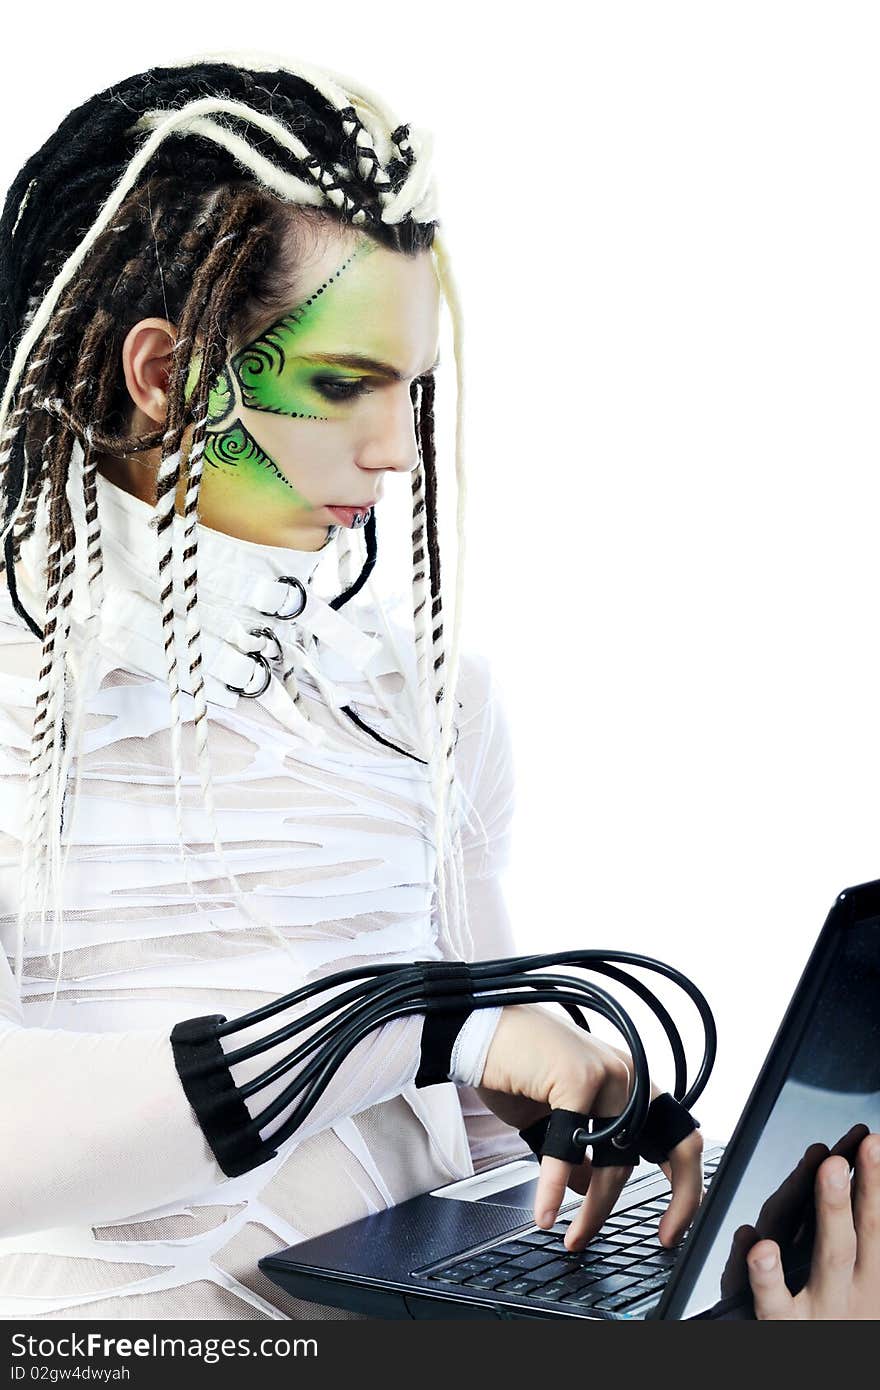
x=174, y=193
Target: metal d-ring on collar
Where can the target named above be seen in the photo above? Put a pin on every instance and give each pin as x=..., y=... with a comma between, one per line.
x=252, y=694
x=300, y=588
x=268, y=632
x=260, y=657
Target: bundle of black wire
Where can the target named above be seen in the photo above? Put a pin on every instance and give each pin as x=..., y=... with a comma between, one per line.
x=445, y=993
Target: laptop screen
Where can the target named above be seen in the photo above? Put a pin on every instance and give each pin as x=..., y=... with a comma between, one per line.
x=824, y=1094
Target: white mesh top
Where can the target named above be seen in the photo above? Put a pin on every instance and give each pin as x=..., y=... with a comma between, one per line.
x=111, y=1202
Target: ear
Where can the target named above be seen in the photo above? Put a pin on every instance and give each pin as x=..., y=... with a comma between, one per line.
x=146, y=362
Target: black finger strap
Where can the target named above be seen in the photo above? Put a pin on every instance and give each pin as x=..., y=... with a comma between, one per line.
x=553, y=1135
x=534, y=1135
x=617, y=1152
x=667, y=1123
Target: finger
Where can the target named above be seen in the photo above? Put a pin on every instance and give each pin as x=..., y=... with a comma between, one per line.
x=834, y=1252
x=773, y=1302
x=867, y=1215
x=552, y=1182
x=848, y=1143
x=686, y=1178
x=606, y=1185
x=579, y=1177
x=744, y=1237
x=784, y=1206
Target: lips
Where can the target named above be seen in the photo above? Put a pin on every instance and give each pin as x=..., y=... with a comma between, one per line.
x=352, y=516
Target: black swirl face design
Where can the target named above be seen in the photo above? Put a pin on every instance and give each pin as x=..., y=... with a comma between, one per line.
x=267, y=376
x=234, y=447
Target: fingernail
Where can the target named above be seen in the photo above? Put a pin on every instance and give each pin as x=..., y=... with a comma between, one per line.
x=546, y=1218
x=765, y=1262
x=838, y=1178
x=873, y=1151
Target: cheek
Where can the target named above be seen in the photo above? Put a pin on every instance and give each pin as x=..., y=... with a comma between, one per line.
x=304, y=450
x=236, y=467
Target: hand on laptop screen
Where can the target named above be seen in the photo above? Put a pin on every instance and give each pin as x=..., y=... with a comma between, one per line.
x=538, y=1062
x=841, y=1225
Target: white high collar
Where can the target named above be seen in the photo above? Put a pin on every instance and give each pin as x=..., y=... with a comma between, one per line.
x=243, y=587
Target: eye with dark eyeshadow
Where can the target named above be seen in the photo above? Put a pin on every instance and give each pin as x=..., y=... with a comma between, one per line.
x=338, y=388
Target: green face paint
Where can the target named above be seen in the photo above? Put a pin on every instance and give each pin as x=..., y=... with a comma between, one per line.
x=265, y=375
x=270, y=375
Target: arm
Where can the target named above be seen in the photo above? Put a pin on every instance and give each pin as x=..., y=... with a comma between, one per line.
x=96, y=1126
x=484, y=763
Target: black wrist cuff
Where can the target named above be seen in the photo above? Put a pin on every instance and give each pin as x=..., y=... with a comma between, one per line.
x=667, y=1123
x=442, y=1026
x=218, y=1104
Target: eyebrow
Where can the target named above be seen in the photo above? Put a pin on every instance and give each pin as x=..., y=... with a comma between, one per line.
x=357, y=359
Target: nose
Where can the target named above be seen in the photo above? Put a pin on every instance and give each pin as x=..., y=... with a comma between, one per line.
x=391, y=445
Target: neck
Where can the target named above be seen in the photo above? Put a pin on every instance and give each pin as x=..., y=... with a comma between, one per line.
x=137, y=475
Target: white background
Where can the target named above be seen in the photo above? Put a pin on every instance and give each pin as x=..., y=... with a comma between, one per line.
x=666, y=232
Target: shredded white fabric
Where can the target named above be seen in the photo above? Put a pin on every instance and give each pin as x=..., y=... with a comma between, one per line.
x=111, y=1203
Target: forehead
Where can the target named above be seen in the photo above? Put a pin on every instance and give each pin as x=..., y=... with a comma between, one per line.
x=355, y=295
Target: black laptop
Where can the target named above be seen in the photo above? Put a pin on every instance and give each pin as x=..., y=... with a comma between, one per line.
x=471, y=1248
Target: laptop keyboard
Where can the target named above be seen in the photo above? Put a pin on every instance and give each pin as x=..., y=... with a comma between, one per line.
x=623, y=1263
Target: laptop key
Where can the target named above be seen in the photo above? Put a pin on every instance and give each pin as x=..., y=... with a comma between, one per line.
x=536, y=1238
x=650, y=1285
x=612, y=1283
x=576, y=1280
x=485, y=1281
x=520, y=1286
x=645, y=1270
x=554, y=1292
x=511, y=1247
x=556, y=1267
x=664, y=1256
x=532, y=1260
x=598, y=1268
x=456, y=1274
x=611, y=1305
x=584, y=1298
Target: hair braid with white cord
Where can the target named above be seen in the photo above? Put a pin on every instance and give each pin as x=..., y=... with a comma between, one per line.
x=206, y=133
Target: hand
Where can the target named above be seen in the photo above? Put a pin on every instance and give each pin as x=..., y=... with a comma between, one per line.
x=536, y=1059
x=844, y=1280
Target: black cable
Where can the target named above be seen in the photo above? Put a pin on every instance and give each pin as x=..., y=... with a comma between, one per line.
x=366, y=997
